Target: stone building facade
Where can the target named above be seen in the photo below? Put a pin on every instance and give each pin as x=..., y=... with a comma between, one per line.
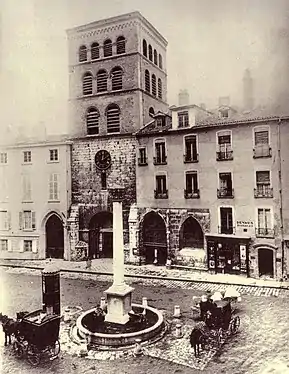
x=117, y=74
x=213, y=190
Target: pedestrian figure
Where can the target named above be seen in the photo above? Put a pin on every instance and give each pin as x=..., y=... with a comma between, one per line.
x=88, y=262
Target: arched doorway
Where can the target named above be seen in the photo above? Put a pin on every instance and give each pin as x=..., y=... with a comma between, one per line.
x=191, y=234
x=265, y=258
x=100, y=235
x=54, y=237
x=154, y=238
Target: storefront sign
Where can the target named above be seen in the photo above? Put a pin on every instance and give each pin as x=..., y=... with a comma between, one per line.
x=243, y=257
x=245, y=223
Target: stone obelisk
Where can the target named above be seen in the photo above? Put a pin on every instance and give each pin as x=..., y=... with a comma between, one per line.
x=119, y=295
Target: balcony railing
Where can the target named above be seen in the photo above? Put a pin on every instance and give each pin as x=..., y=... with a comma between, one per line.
x=264, y=232
x=192, y=194
x=225, y=155
x=227, y=193
x=264, y=192
x=191, y=158
x=160, y=160
x=142, y=161
x=262, y=151
x=161, y=194
x=226, y=229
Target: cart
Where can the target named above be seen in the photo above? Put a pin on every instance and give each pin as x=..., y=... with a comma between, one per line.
x=37, y=337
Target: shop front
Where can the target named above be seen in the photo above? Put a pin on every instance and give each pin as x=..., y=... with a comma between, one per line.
x=228, y=254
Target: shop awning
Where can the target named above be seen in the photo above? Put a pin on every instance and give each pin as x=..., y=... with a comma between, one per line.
x=228, y=236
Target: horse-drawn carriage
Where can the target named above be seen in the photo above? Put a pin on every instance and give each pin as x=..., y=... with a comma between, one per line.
x=37, y=336
x=218, y=322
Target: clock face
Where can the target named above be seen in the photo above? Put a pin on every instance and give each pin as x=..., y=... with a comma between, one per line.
x=102, y=160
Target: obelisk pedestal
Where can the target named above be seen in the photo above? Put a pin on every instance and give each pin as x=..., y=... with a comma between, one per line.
x=119, y=295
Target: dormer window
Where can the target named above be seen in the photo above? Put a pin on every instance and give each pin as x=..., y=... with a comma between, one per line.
x=183, y=119
x=160, y=121
x=224, y=113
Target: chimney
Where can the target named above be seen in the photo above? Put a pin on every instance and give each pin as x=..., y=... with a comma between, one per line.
x=184, y=97
x=224, y=101
x=248, y=94
x=203, y=106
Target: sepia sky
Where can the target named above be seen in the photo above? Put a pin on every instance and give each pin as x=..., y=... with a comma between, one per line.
x=211, y=43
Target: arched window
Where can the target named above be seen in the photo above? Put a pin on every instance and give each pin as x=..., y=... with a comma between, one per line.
x=116, y=78
x=160, y=61
x=150, y=53
x=144, y=48
x=112, y=118
x=154, y=85
x=155, y=57
x=120, y=45
x=94, y=51
x=147, y=81
x=151, y=111
x=101, y=79
x=82, y=53
x=107, y=48
x=160, y=89
x=87, y=84
x=92, y=118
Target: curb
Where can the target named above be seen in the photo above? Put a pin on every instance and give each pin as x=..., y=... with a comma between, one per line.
x=157, y=277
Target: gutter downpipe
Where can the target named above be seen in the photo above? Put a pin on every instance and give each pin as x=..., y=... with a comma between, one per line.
x=280, y=197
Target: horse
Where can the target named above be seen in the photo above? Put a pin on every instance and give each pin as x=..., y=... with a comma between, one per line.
x=11, y=326
x=197, y=337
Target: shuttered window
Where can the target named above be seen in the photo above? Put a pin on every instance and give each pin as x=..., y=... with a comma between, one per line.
x=155, y=57
x=92, y=121
x=261, y=137
x=191, y=182
x=263, y=177
x=87, y=84
x=53, y=187
x=101, y=81
x=116, y=78
x=160, y=89
x=94, y=51
x=112, y=118
x=27, y=220
x=82, y=53
x=107, y=48
x=161, y=184
x=264, y=218
x=160, y=61
x=150, y=53
x=4, y=220
x=154, y=85
x=120, y=45
x=147, y=81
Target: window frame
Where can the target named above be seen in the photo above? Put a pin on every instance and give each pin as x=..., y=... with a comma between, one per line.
x=25, y=241
x=264, y=208
x=23, y=221
x=29, y=160
x=183, y=114
x=161, y=161
x=57, y=152
x=3, y=158
x=164, y=193
x=194, y=193
x=233, y=217
x=6, y=220
x=2, y=241
x=142, y=161
x=192, y=159
x=26, y=192
x=54, y=193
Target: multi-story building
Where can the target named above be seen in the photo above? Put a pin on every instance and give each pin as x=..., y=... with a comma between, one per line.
x=35, y=196
x=117, y=72
x=212, y=191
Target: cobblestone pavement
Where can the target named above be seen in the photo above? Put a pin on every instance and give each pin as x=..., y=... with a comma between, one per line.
x=182, y=284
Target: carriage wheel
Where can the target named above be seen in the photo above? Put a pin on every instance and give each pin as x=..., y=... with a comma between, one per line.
x=234, y=325
x=219, y=337
x=33, y=356
x=18, y=349
x=56, y=348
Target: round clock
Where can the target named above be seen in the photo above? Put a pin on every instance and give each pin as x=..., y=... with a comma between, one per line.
x=102, y=160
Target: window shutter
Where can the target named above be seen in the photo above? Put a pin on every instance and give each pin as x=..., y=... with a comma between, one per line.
x=20, y=220
x=33, y=221
x=263, y=177
x=9, y=220
x=261, y=137
x=34, y=246
x=9, y=246
x=21, y=246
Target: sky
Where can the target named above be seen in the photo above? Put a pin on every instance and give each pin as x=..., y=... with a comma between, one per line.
x=210, y=44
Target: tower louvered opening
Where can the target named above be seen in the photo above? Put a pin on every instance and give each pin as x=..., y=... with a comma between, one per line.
x=116, y=78
x=92, y=121
x=112, y=117
x=87, y=84
x=101, y=81
x=94, y=51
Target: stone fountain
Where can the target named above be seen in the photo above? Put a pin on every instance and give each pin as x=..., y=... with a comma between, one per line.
x=117, y=330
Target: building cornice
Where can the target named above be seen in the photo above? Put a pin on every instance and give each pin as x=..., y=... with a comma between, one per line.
x=112, y=24
x=36, y=144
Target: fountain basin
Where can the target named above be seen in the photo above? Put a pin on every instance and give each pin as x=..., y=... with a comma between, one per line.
x=122, y=339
